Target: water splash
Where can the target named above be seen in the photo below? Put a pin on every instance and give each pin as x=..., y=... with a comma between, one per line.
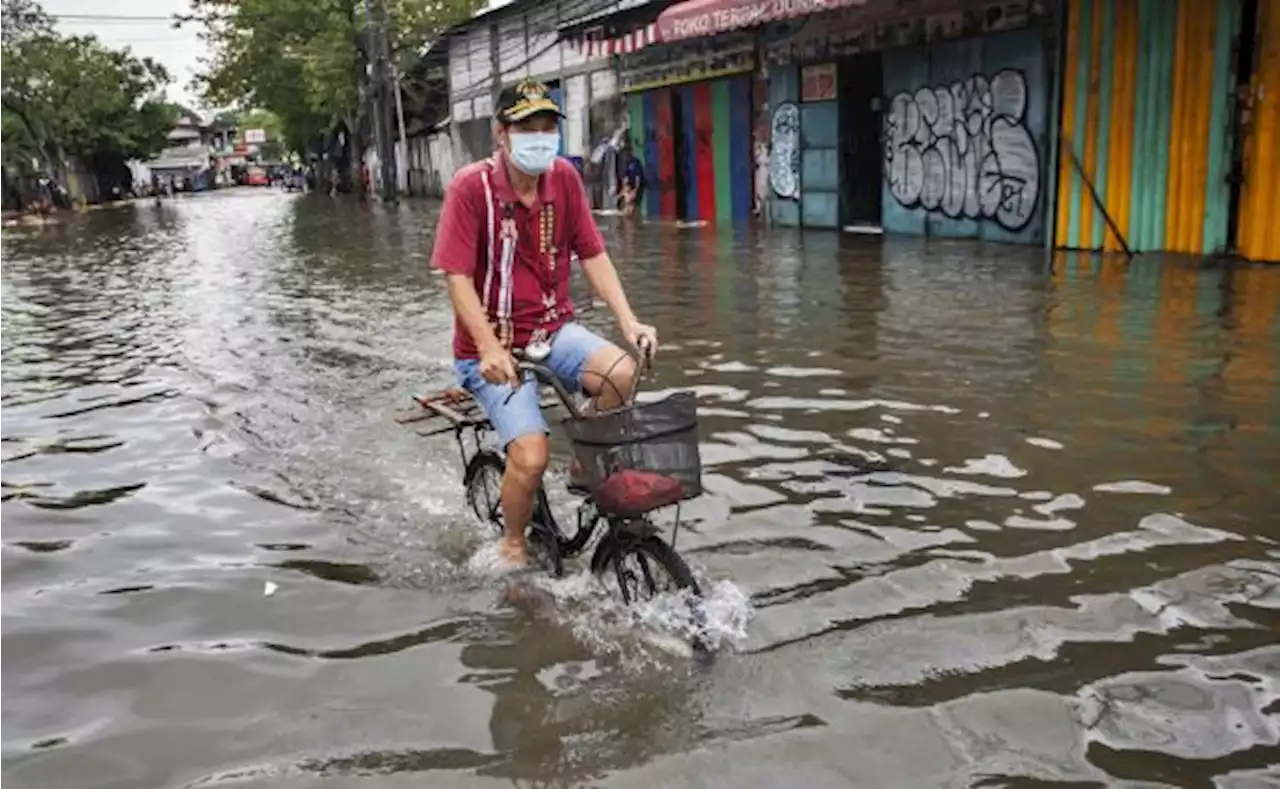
x=595, y=614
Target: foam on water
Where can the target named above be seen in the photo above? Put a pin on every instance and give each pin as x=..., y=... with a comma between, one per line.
x=1133, y=486
x=992, y=465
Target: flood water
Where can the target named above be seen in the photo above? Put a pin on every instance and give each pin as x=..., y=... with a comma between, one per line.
x=971, y=520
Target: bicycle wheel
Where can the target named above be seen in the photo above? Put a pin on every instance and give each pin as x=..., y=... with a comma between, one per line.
x=631, y=566
x=483, y=481
x=634, y=561
x=631, y=562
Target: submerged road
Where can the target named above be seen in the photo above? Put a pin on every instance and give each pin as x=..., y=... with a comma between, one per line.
x=970, y=521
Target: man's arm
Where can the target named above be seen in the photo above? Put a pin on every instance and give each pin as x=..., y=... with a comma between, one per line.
x=467, y=306
x=596, y=264
x=604, y=281
x=457, y=246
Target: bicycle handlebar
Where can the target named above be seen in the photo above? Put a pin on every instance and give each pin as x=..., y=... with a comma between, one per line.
x=549, y=378
x=646, y=356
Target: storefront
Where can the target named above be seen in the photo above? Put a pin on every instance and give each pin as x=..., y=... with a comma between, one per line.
x=1257, y=226
x=927, y=121
x=1172, y=111
x=1155, y=154
x=690, y=117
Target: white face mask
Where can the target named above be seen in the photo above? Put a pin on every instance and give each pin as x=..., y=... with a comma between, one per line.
x=534, y=152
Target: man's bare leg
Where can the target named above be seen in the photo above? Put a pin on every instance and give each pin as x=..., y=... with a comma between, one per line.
x=608, y=376
x=607, y=379
x=526, y=461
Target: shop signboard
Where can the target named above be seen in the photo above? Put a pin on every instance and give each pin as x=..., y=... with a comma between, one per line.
x=898, y=23
x=689, y=61
x=818, y=83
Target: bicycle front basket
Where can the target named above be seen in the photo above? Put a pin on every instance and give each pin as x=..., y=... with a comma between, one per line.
x=660, y=437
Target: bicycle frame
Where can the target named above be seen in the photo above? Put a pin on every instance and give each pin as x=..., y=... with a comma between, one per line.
x=528, y=364
x=624, y=536
x=619, y=528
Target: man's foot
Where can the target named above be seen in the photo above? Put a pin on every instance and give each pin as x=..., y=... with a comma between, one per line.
x=513, y=552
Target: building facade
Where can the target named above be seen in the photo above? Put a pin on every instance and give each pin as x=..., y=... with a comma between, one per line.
x=922, y=118
x=690, y=113
x=845, y=114
x=1172, y=109
x=554, y=42
x=1077, y=124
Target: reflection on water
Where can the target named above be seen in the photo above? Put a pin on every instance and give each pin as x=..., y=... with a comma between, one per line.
x=1000, y=520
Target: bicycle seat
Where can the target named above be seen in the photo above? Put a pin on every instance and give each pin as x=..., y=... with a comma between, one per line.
x=633, y=492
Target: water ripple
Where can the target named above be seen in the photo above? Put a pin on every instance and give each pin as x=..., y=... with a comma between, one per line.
x=995, y=522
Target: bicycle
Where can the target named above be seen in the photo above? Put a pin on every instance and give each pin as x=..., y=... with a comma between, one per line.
x=605, y=444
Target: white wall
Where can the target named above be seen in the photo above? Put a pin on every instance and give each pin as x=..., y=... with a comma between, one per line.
x=545, y=56
x=575, y=110
x=604, y=84
x=527, y=47
x=511, y=50
x=479, y=57
x=431, y=163
x=459, y=63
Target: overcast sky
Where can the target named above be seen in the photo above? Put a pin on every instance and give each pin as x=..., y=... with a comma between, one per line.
x=144, y=26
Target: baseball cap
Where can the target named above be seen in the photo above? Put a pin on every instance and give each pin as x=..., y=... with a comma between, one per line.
x=525, y=100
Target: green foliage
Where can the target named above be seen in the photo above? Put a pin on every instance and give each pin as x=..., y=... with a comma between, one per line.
x=275, y=148
x=305, y=60
x=266, y=120
x=74, y=97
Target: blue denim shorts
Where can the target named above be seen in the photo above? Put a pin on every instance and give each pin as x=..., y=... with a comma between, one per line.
x=571, y=347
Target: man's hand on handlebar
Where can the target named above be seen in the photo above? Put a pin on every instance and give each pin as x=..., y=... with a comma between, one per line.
x=497, y=366
x=642, y=337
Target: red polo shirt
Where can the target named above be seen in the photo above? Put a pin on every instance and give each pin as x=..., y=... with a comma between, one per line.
x=518, y=256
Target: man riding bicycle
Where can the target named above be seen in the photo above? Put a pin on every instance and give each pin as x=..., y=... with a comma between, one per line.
x=504, y=239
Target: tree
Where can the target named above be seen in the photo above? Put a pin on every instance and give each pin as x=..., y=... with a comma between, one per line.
x=73, y=97
x=305, y=60
x=24, y=19
x=25, y=26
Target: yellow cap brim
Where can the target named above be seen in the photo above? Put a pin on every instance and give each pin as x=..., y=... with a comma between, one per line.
x=526, y=109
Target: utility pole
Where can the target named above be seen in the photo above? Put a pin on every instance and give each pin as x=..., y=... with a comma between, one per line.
x=402, y=150
x=376, y=39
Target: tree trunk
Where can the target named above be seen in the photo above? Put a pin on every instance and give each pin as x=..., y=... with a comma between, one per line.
x=353, y=153
x=36, y=138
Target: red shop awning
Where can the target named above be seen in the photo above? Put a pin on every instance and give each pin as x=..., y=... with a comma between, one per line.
x=594, y=44
x=696, y=18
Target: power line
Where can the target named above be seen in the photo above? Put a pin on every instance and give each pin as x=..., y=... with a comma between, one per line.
x=553, y=23
x=110, y=18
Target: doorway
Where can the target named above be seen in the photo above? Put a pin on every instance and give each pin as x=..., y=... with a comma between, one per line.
x=681, y=154
x=1241, y=126
x=861, y=81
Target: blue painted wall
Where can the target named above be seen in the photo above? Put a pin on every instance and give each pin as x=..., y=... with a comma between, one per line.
x=740, y=164
x=784, y=86
x=820, y=164
x=687, y=163
x=652, y=150
x=966, y=138
x=557, y=96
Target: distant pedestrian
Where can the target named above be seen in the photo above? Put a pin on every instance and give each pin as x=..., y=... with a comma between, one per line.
x=632, y=191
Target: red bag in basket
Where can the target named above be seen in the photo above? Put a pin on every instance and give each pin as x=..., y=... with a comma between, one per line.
x=634, y=492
